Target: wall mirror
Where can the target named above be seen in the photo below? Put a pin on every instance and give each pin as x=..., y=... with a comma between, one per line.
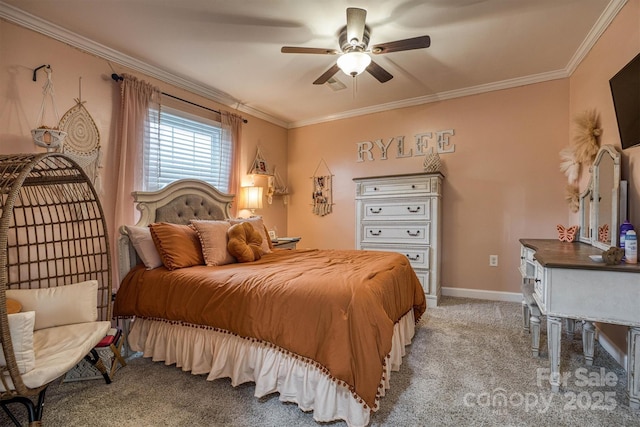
x=599, y=203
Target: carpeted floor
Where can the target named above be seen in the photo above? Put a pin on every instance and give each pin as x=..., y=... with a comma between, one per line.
x=469, y=364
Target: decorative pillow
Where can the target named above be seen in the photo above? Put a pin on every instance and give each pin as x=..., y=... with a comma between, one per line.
x=21, y=331
x=62, y=305
x=244, y=242
x=145, y=248
x=258, y=224
x=213, y=239
x=178, y=245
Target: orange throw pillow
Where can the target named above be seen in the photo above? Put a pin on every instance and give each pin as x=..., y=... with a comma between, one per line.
x=244, y=242
x=178, y=245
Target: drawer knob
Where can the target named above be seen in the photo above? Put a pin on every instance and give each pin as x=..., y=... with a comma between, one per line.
x=373, y=233
x=375, y=188
x=413, y=186
x=414, y=258
x=416, y=210
x=376, y=211
x=414, y=234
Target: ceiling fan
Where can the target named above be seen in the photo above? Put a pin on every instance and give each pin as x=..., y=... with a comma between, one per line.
x=354, y=49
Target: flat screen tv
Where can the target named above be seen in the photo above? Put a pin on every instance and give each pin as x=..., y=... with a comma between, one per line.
x=625, y=89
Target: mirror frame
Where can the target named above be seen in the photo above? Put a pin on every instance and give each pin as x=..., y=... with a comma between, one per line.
x=591, y=196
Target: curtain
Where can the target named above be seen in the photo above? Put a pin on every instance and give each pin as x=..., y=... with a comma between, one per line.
x=232, y=124
x=137, y=97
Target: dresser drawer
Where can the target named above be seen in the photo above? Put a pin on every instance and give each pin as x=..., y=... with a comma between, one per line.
x=539, y=287
x=398, y=186
x=527, y=264
x=396, y=209
x=417, y=234
x=418, y=257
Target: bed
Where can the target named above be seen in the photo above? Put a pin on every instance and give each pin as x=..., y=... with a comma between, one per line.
x=323, y=328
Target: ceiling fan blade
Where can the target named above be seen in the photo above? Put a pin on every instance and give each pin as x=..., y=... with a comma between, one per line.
x=378, y=72
x=400, y=45
x=355, y=25
x=314, y=50
x=327, y=75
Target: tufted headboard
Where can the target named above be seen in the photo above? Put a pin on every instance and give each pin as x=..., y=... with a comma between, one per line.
x=178, y=203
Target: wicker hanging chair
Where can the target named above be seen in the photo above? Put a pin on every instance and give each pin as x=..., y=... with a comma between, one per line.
x=52, y=234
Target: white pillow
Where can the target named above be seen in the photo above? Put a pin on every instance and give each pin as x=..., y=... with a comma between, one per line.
x=21, y=331
x=62, y=305
x=145, y=247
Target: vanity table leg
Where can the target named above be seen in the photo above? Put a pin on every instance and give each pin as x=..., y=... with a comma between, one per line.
x=554, y=331
x=571, y=327
x=525, y=316
x=633, y=367
x=535, y=335
x=588, y=342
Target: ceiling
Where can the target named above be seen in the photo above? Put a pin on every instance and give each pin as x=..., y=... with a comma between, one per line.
x=229, y=51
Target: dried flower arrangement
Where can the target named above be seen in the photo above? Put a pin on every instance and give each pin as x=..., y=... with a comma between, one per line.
x=586, y=142
x=572, y=197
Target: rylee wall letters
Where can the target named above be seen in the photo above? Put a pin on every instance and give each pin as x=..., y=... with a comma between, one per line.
x=423, y=144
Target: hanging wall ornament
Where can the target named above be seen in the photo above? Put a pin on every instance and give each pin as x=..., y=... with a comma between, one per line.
x=83, y=139
x=45, y=136
x=572, y=197
x=322, y=191
x=588, y=131
x=569, y=165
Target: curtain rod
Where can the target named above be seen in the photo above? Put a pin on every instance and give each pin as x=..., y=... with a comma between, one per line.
x=117, y=77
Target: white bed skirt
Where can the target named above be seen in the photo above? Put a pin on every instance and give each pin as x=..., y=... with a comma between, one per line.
x=224, y=355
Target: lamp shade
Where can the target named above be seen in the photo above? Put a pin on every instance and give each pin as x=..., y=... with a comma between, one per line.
x=354, y=63
x=251, y=198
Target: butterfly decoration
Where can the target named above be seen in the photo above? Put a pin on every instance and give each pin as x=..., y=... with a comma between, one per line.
x=567, y=234
x=603, y=233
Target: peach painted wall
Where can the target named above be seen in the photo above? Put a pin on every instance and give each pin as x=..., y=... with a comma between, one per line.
x=502, y=182
x=589, y=89
x=22, y=50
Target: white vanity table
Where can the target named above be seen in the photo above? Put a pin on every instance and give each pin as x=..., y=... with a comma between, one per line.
x=569, y=284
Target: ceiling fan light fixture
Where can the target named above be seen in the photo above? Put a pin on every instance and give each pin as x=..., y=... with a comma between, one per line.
x=354, y=63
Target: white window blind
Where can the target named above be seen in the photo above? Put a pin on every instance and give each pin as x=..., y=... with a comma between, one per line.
x=180, y=145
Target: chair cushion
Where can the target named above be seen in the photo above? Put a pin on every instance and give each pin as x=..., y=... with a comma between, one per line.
x=21, y=331
x=59, y=349
x=62, y=305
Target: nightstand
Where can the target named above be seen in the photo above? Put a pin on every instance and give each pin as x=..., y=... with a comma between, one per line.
x=285, y=242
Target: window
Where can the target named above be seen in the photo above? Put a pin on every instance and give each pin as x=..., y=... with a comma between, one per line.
x=180, y=145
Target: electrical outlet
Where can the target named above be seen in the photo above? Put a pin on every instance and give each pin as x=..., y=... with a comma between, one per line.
x=493, y=260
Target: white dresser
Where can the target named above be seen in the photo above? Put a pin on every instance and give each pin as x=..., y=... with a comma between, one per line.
x=401, y=213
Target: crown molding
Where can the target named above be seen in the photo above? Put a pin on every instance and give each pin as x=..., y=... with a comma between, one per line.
x=39, y=25
x=598, y=28
x=612, y=9
x=441, y=96
x=56, y=32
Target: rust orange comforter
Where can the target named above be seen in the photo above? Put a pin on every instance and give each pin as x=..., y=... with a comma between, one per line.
x=335, y=307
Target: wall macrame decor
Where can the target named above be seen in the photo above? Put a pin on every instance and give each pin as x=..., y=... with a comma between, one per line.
x=322, y=190
x=82, y=143
x=49, y=137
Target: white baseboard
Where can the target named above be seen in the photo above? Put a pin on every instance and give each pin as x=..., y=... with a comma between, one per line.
x=480, y=294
